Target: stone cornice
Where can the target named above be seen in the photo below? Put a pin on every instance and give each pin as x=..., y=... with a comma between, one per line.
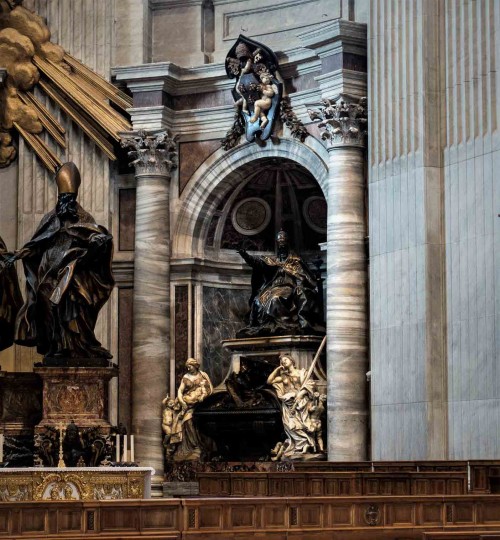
x=342, y=81
x=174, y=79
x=214, y=121
x=336, y=36
x=155, y=5
x=179, y=81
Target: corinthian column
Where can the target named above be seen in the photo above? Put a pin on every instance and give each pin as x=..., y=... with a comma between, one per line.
x=343, y=125
x=153, y=157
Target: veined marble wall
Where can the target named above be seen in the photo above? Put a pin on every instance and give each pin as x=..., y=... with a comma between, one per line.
x=433, y=87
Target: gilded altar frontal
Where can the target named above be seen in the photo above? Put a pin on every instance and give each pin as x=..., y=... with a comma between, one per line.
x=249, y=269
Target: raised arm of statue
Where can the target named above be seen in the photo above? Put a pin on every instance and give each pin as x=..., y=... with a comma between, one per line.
x=249, y=259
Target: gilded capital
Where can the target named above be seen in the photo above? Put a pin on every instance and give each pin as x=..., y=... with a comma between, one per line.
x=151, y=152
x=342, y=121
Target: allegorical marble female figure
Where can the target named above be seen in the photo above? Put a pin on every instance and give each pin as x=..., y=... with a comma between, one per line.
x=67, y=265
x=285, y=297
x=194, y=388
x=10, y=300
x=296, y=395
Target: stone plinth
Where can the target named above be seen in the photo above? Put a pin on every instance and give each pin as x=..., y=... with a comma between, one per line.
x=301, y=348
x=78, y=394
x=20, y=402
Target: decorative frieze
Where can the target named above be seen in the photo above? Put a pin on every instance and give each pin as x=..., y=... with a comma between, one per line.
x=153, y=153
x=342, y=121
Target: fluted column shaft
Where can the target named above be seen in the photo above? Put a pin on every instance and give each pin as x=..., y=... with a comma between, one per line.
x=151, y=326
x=347, y=310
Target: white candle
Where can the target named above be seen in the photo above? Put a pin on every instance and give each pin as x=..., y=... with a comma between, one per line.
x=117, y=448
x=125, y=448
x=132, y=449
x=1, y=447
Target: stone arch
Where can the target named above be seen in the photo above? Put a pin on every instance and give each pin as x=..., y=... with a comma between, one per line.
x=224, y=170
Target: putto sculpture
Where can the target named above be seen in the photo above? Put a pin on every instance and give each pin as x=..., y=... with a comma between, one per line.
x=285, y=298
x=257, y=91
x=67, y=265
x=181, y=438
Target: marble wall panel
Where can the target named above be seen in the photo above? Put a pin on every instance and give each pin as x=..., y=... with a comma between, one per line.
x=181, y=334
x=224, y=312
x=191, y=156
x=126, y=225
x=125, y=319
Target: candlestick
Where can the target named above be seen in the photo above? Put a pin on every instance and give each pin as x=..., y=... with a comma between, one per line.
x=117, y=448
x=132, y=449
x=61, y=464
x=125, y=448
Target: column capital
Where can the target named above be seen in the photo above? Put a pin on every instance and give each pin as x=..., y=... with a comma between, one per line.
x=153, y=152
x=342, y=121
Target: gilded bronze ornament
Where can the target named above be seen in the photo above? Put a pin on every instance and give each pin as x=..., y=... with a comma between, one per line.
x=32, y=61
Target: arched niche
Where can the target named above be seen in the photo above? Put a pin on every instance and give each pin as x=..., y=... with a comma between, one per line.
x=225, y=171
x=211, y=284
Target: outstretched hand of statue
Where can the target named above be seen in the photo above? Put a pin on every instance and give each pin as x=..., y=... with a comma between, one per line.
x=7, y=260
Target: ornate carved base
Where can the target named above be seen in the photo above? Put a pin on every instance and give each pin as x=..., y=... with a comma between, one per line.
x=78, y=394
x=71, y=484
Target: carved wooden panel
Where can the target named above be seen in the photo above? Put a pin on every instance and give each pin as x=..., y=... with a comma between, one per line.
x=210, y=516
x=243, y=516
x=69, y=520
x=34, y=520
x=300, y=518
x=118, y=519
x=159, y=518
x=430, y=514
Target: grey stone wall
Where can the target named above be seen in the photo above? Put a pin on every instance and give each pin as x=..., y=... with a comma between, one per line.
x=472, y=195
x=433, y=229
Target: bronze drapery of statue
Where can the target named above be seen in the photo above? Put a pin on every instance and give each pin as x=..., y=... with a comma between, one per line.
x=285, y=298
x=67, y=265
x=10, y=301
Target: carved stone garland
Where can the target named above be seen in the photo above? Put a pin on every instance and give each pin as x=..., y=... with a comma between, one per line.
x=153, y=153
x=342, y=121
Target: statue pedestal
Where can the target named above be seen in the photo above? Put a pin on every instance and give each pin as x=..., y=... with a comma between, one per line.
x=78, y=394
x=20, y=411
x=243, y=416
x=268, y=350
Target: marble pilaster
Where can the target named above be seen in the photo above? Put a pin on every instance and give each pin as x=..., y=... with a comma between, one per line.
x=343, y=125
x=153, y=157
